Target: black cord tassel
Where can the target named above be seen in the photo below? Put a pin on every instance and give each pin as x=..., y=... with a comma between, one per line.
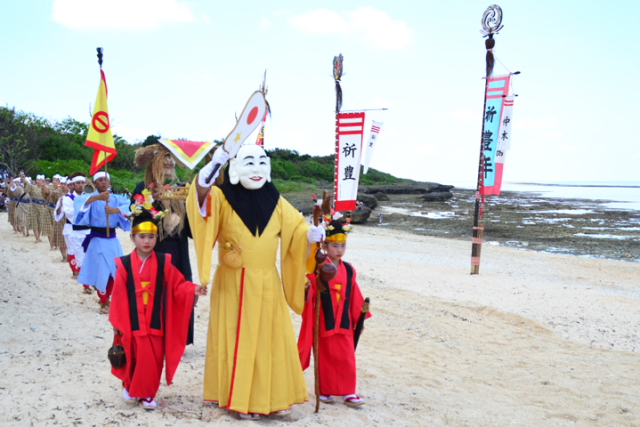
x=489, y=44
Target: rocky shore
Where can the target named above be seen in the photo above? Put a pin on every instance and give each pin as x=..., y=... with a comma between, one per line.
x=522, y=220
x=514, y=219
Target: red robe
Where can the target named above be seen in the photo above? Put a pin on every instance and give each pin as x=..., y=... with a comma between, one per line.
x=159, y=329
x=336, y=353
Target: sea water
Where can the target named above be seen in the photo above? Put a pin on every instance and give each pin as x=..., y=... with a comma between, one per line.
x=619, y=194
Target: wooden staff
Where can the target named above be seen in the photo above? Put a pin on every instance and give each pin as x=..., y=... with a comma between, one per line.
x=316, y=331
x=324, y=272
x=360, y=324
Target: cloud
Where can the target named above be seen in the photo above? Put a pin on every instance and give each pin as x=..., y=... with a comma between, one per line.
x=100, y=14
x=321, y=21
x=264, y=23
x=377, y=28
x=374, y=27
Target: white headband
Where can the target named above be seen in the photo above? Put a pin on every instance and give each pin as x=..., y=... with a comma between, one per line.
x=78, y=179
x=17, y=180
x=63, y=180
x=101, y=174
x=40, y=177
x=57, y=176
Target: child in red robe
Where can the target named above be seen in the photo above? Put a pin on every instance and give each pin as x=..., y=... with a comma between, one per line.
x=340, y=309
x=150, y=311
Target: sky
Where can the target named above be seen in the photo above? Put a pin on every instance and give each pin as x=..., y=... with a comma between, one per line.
x=184, y=68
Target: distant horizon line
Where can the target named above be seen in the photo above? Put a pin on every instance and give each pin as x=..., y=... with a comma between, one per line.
x=613, y=184
x=586, y=184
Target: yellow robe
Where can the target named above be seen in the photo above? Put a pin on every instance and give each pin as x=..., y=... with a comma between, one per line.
x=252, y=363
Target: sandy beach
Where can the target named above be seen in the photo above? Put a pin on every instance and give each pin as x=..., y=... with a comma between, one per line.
x=535, y=339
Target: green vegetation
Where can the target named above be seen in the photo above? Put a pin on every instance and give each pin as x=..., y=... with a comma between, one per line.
x=41, y=146
x=289, y=165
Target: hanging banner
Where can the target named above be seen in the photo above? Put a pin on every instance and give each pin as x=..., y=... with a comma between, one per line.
x=497, y=90
x=504, y=143
x=350, y=131
x=373, y=139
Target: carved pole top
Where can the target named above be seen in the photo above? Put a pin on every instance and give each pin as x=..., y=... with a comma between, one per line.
x=99, y=50
x=491, y=21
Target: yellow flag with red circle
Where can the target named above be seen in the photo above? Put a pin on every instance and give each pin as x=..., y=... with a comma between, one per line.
x=100, y=137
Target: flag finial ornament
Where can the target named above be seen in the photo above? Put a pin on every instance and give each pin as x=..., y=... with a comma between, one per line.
x=99, y=50
x=491, y=20
x=337, y=75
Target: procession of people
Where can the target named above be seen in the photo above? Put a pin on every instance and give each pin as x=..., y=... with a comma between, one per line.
x=254, y=362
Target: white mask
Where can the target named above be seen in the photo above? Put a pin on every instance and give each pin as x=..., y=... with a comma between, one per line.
x=251, y=167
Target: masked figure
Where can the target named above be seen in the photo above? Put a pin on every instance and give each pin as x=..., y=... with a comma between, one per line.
x=252, y=365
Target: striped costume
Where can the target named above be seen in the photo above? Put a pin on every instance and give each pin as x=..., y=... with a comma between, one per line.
x=39, y=218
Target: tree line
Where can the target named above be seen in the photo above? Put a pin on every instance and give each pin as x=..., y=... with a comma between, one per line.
x=38, y=145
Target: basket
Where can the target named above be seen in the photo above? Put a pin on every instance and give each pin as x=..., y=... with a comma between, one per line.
x=174, y=193
x=117, y=357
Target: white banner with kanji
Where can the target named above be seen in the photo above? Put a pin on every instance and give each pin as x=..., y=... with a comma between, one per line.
x=504, y=144
x=350, y=131
x=373, y=139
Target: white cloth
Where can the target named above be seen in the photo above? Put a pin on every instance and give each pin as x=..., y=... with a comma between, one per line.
x=101, y=174
x=75, y=237
x=58, y=214
x=67, y=231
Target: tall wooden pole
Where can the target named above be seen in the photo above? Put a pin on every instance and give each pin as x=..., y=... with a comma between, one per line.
x=491, y=24
x=100, y=53
x=337, y=75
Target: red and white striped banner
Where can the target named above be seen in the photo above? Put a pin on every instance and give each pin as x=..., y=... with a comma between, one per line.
x=373, y=139
x=350, y=131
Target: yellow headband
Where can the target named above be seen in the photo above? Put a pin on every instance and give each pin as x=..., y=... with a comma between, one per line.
x=145, y=227
x=336, y=238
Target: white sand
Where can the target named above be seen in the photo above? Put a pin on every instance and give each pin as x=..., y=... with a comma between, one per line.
x=534, y=340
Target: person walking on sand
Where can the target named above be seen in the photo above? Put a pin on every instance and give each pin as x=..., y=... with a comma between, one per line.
x=23, y=205
x=56, y=193
x=39, y=222
x=101, y=245
x=340, y=309
x=150, y=312
x=252, y=365
x=75, y=234
x=11, y=188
